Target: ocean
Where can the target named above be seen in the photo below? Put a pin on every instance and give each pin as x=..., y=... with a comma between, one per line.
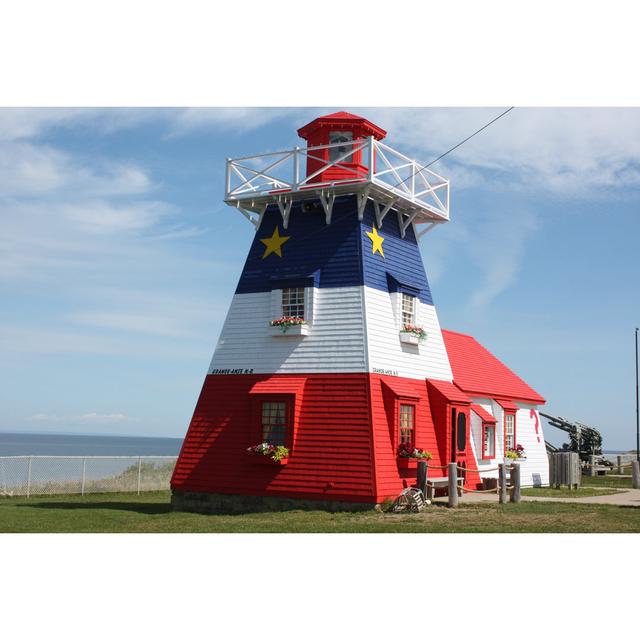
x=54, y=444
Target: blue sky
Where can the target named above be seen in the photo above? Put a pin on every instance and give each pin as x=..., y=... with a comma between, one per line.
x=118, y=258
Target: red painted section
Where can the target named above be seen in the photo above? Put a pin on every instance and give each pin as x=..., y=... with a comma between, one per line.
x=387, y=393
x=344, y=441
x=316, y=133
x=331, y=452
x=484, y=415
x=478, y=372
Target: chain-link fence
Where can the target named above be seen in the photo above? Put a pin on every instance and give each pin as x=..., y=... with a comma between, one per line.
x=49, y=475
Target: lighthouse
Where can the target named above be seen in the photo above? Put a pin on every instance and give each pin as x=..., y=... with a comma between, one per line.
x=331, y=375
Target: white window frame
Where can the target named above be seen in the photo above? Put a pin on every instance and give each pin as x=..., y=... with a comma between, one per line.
x=413, y=314
x=309, y=303
x=509, y=418
x=290, y=297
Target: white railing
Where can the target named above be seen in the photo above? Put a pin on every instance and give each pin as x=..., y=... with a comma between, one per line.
x=282, y=172
x=49, y=475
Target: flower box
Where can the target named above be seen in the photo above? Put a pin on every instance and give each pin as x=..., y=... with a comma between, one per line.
x=410, y=463
x=409, y=338
x=292, y=330
x=269, y=461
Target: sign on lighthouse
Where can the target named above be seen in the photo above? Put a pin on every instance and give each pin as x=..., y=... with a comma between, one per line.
x=331, y=359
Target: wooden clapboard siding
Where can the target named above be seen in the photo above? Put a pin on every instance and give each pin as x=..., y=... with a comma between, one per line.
x=330, y=459
x=384, y=412
x=335, y=342
x=386, y=352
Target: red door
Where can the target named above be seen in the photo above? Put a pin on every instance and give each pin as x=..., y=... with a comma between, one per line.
x=459, y=444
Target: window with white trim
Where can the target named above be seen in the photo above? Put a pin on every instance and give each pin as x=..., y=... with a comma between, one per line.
x=488, y=441
x=293, y=302
x=509, y=431
x=407, y=423
x=408, y=308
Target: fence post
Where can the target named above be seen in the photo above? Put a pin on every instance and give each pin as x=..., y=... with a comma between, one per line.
x=29, y=478
x=619, y=461
x=502, y=482
x=635, y=473
x=453, y=485
x=139, y=472
x=84, y=474
x=421, y=477
x=515, y=490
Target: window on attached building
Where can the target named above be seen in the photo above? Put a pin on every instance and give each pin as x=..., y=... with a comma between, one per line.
x=275, y=421
x=509, y=431
x=488, y=441
x=293, y=302
x=408, y=309
x=407, y=424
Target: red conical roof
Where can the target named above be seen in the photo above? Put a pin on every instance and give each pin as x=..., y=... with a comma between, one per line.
x=343, y=120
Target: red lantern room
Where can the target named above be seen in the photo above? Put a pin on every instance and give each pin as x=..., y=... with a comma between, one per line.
x=334, y=139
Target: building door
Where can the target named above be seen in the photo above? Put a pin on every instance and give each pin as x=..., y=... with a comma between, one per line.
x=459, y=442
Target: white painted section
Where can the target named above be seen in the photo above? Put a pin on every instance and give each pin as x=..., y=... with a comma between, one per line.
x=386, y=353
x=534, y=470
x=335, y=341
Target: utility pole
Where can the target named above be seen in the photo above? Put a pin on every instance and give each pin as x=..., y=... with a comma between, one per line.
x=637, y=406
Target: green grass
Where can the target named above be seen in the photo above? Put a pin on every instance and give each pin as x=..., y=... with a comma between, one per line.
x=151, y=512
x=564, y=492
x=606, y=481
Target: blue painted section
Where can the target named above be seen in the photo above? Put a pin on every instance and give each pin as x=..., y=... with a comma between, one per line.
x=401, y=269
x=335, y=255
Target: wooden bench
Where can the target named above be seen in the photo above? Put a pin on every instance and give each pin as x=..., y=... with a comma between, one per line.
x=441, y=483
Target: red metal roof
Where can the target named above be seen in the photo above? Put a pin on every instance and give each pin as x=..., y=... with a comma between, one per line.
x=343, y=118
x=478, y=372
x=401, y=388
x=449, y=391
x=484, y=415
x=507, y=404
x=279, y=384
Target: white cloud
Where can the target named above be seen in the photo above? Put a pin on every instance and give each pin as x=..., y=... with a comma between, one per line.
x=560, y=150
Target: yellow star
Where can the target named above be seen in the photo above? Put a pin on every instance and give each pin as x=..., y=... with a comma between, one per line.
x=274, y=243
x=376, y=240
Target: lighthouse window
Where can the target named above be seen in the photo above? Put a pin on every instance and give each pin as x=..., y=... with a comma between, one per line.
x=345, y=140
x=293, y=302
x=509, y=431
x=408, y=309
x=407, y=424
x=274, y=422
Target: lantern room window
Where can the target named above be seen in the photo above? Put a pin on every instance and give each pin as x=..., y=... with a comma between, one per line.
x=509, y=431
x=275, y=417
x=488, y=441
x=408, y=309
x=407, y=424
x=293, y=302
x=345, y=140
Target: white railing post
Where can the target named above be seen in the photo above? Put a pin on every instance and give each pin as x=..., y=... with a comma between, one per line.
x=413, y=179
x=29, y=478
x=84, y=474
x=227, y=179
x=296, y=169
x=139, y=472
x=372, y=157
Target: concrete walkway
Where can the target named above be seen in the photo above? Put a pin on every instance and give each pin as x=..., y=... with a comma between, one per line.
x=626, y=498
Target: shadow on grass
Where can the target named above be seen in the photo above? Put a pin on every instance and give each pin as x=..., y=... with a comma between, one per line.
x=146, y=509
